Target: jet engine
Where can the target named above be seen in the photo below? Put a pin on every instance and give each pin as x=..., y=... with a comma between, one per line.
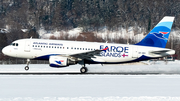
x=58, y=61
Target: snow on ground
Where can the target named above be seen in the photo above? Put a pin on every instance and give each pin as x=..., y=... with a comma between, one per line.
x=98, y=99
x=71, y=33
x=89, y=87
x=135, y=33
x=104, y=33
x=159, y=67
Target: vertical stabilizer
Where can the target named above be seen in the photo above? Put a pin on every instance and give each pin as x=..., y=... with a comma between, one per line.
x=158, y=36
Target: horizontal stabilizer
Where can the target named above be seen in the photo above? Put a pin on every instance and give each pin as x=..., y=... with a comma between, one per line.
x=163, y=52
x=160, y=52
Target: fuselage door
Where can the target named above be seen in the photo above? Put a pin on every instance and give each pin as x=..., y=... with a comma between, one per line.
x=27, y=46
x=135, y=52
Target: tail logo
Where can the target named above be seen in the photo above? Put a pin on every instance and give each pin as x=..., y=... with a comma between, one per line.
x=160, y=35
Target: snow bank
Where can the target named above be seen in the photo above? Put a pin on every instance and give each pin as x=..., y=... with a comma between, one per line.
x=133, y=33
x=70, y=33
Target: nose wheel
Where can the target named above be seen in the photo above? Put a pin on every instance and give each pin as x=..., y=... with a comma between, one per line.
x=27, y=67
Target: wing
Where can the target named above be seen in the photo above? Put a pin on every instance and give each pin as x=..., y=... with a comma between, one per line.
x=86, y=55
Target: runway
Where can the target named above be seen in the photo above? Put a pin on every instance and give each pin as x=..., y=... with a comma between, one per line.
x=102, y=83
x=160, y=67
x=89, y=87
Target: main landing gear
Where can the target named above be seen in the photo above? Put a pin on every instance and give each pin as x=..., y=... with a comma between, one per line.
x=27, y=67
x=83, y=70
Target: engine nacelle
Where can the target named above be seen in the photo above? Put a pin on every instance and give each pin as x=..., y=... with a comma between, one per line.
x=58, y=61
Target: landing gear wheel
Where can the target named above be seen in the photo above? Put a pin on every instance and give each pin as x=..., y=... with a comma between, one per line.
x=83, y=70
x=26, y=68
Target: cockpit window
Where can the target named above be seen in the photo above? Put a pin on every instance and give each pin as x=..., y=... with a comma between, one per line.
x=11, y=44
x=14, y=44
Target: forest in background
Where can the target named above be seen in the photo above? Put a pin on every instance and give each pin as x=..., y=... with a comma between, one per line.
x=91, y=15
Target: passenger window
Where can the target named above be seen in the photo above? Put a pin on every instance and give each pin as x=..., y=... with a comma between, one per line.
x=16, y=44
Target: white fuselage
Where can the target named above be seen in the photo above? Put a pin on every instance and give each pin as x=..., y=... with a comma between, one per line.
x=116, y=53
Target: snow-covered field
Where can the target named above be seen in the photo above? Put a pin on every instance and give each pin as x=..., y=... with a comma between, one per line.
x=92, y=87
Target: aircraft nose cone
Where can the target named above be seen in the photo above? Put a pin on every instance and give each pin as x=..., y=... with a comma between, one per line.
x=4, y=50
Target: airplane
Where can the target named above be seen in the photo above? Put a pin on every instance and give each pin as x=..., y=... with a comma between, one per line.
x=61, y=53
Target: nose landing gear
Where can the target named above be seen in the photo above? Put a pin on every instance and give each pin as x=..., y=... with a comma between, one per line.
x=27, y=67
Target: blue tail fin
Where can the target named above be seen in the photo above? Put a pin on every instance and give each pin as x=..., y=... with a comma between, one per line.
x=158, y=36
